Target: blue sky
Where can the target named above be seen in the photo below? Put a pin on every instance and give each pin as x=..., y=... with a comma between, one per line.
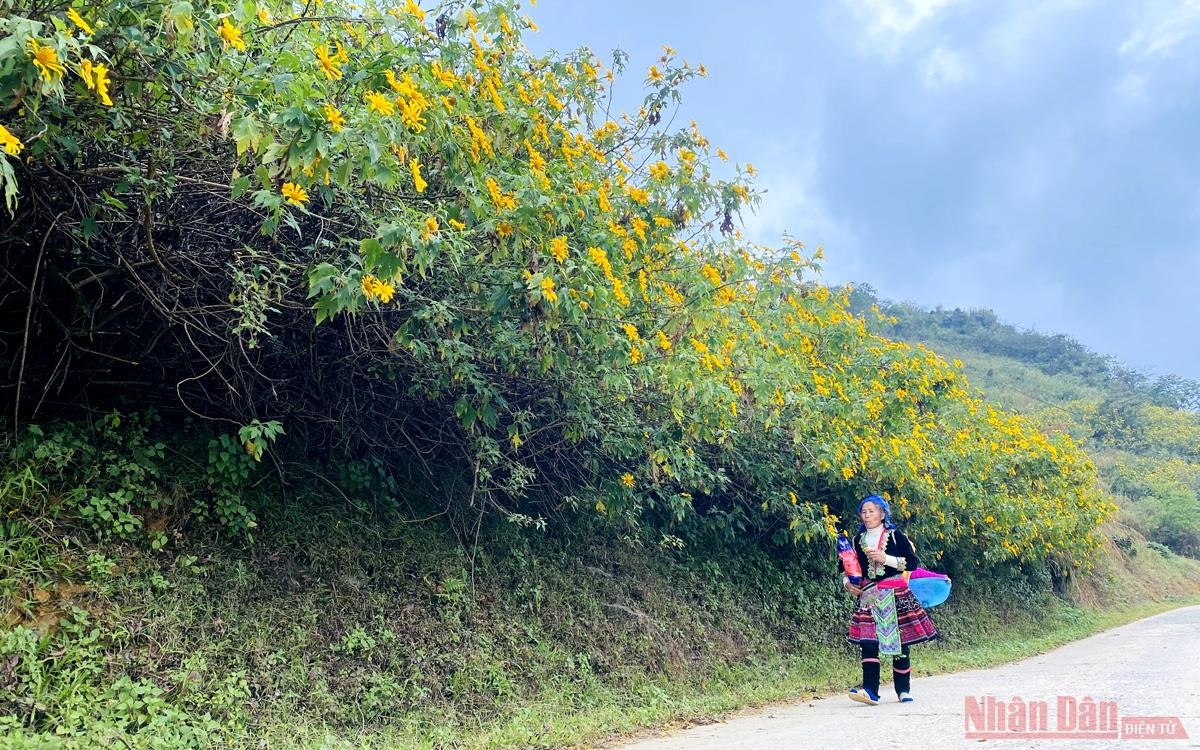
x=1036, y=158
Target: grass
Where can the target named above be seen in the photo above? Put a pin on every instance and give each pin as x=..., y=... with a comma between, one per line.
x=557, y=719
x=340, y=633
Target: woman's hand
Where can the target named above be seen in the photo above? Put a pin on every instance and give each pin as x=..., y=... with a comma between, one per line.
x=852, y=589
x=877, y=555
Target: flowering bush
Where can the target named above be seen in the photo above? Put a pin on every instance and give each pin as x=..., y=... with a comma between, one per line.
x=537, y=303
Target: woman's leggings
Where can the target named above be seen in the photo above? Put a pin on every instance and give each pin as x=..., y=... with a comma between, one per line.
x=901, y=668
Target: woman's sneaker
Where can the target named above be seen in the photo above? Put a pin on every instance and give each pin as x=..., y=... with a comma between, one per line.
x=905, y=698
x=863, y=695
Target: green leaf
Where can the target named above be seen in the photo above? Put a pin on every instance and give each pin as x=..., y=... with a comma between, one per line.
x=246, y=134
x=239, y=186
x=371, y=251
x=8, y=181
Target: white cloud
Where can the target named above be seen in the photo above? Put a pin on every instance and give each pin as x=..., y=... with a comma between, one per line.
x=1162, y=28
x=1131, y=88
x=1130, y=102
x=896, y=17
x=945, y=69
x=1021, y=26
x=794, y=204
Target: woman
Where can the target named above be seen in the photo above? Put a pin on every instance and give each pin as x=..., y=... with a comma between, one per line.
x=887, y=619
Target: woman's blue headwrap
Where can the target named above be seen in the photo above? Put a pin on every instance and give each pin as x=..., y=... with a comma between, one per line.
x=883, y=505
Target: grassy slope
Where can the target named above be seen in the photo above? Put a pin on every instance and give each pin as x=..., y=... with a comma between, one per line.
x=332, y=635
x=336, y=632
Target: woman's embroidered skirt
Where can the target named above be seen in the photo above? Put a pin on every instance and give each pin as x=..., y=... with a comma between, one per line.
x=914, y=622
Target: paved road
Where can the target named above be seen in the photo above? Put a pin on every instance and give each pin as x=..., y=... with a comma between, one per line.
x=1148, y=668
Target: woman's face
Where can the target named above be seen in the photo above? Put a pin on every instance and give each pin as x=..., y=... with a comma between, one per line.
x=871, y=515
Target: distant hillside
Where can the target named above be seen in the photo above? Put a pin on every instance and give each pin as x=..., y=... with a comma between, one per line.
x=980, y=330
x=1143, y=433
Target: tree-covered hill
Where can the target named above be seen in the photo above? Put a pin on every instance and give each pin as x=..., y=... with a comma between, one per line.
x=1143, y=432
x=980, y=330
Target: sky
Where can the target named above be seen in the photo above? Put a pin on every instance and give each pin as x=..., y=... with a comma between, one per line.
x=1036, y=158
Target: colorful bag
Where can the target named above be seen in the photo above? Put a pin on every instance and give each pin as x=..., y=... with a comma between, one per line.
x=930, y=588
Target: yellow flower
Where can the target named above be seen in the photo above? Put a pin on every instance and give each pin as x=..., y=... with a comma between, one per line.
x=330, y=65
x=548, y=292
x=660, y=170
x=558, y=248
x=500, y=200
x=373, y=288
x=445, y=77
x=721, y=155
x=100, y=73
x=602, y=197
x=627, y=479
x=232, y=35
x=498, y=103
x=379, y=103
x=480, y=141
x=537, y=162
x=410, y=112
x=640, y=226
x=85, y=72
x=12, y=145
x=456, y=224
x=415, y=10
x=45, y=59
x=334, y=118
x=664, y=343
x=653, y=75
x=294, y=194
x=78, y=21
x=631, y=331
x=618, y=288
x=368, y=284
x=264, y=16
x=504, y=229
x=600, y=258
x=418, y=182
x=431, y=227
